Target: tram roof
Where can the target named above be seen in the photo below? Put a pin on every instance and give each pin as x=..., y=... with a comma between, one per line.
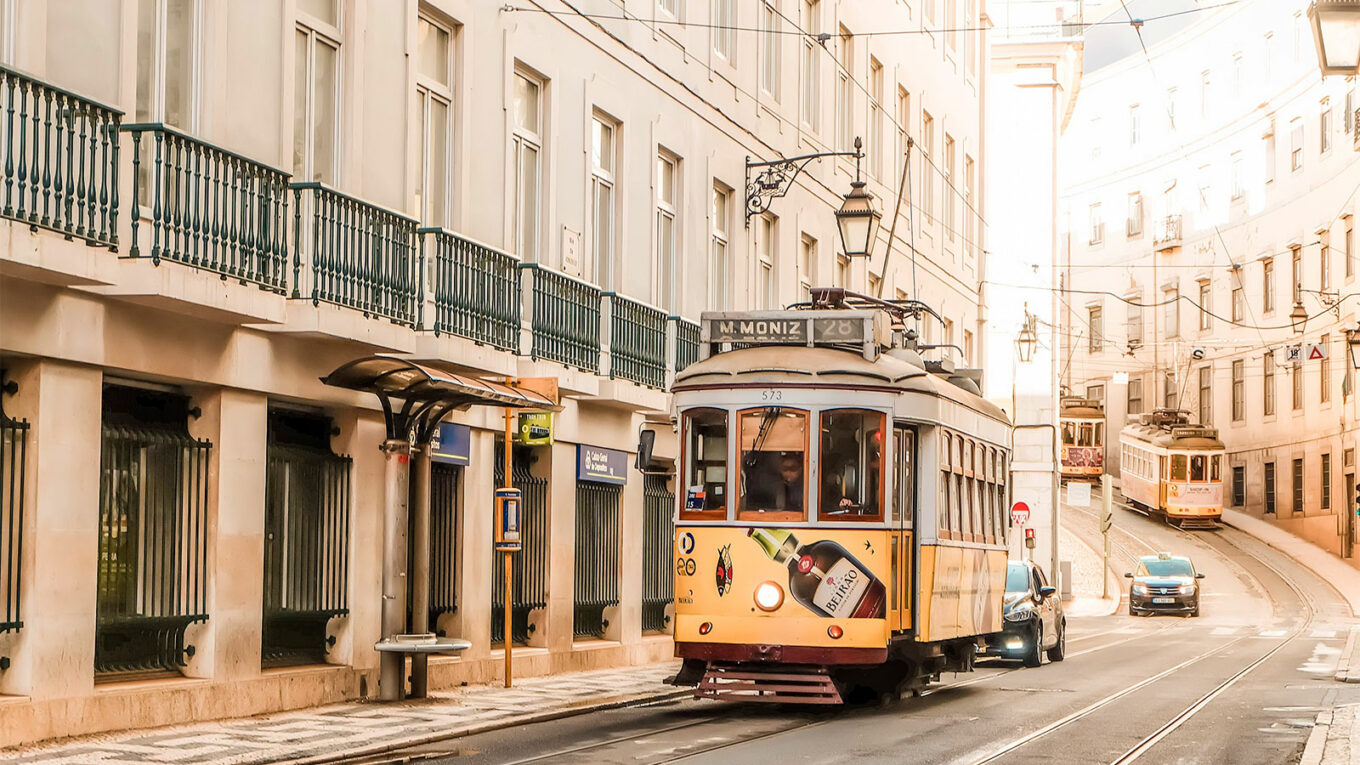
x=777, y=365
x=1180, y=437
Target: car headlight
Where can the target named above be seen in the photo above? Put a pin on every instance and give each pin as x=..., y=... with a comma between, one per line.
x=1187, y=589
x=769, y=596
x=1020, y=612
x=1140, y=589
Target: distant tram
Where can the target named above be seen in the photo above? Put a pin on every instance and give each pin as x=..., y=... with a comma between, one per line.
x=1083, y=438
x=842, y=514
x=1173, y=468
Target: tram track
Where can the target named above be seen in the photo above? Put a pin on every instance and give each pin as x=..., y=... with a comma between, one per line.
x=1307, y=604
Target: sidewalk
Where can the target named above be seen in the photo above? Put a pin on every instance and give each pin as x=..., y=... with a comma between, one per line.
x=1343, y=577
x=1086, y=578
x=358, y=728
x=1335, y=739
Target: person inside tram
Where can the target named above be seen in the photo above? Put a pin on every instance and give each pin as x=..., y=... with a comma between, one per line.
x=789, y=490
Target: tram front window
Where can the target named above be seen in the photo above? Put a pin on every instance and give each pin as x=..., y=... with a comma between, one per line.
x=852, y=465
x=1199, y=468
x=1069, y=433
x=1084, y=436
x=705, y=434
x=1179, y=471
x=774, y=445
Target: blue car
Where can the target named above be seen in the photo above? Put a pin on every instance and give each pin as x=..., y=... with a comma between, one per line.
x=1164, y=582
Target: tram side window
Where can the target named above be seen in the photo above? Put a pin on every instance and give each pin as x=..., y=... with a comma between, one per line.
x=851, y=465
x=705, y=434
x=774, y=446
x=982, y=518
x=905, y=449
x=960, y=497
x=1179, y=469
x=945, y=511
x=1216, y=471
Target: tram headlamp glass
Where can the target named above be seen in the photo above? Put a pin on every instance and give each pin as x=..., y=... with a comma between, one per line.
x=769, y=596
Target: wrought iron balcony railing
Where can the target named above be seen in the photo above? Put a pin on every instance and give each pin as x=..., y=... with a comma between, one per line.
x=61, y=159
x=565, y=318
x=208, y=207
x=476, y=289
x=637, y=341
x=360, y=255
x=1168, y=233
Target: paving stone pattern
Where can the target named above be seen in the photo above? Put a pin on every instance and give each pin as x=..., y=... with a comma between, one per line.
x=347, y=727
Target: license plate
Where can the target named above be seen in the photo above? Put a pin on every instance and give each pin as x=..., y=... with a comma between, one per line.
x=1163, y=600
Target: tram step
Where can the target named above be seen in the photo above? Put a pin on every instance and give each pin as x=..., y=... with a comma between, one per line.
x=729, y=683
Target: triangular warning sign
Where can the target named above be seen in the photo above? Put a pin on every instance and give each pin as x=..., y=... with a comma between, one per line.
x=1314, y=353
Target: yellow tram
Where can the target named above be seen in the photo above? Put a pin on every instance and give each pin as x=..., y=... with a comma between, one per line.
x=842, y=514
x=1172, y=467
x=1083, y=438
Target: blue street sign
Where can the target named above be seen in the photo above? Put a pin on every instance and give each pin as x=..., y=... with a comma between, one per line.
x=452, y=444
x=601, y=465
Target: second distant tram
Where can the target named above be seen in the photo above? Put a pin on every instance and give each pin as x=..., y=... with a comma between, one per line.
x=1083, y=438
x=1172, y=467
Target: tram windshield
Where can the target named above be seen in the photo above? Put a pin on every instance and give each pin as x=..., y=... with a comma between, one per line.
x=1069, y=433
x=851, y=465
x=1179, y=469
x=774, y=462
x=705, y=477
x=1085, y=435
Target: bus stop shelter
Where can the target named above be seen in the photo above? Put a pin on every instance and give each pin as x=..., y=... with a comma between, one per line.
x=415, y=396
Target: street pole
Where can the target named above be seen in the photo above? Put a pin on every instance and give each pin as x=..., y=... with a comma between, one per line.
x=396, y=484
x=1106, y=521
x=420, y=568
x=509, y=569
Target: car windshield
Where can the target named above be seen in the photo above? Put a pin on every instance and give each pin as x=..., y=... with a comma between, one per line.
x=1017, y=578
x=1168, y=567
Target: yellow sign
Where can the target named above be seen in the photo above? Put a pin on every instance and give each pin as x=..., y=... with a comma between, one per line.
x=535, y=428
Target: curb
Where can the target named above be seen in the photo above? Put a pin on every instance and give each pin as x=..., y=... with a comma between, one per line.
x=1348, y=667
x=1353, y=606
x=1317, y=740
x=555, y=714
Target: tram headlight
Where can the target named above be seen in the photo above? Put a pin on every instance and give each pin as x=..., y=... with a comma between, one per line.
x=769, y=596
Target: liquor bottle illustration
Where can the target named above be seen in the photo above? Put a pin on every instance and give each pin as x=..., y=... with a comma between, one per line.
x=824, y=576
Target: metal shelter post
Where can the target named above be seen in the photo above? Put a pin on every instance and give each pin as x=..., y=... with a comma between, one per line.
x=420, y=565
x=392, y=666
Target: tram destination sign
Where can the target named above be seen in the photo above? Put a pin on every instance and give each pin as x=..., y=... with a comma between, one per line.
x=788, y=328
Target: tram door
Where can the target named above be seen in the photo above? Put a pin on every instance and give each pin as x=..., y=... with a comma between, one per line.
x=904, y=506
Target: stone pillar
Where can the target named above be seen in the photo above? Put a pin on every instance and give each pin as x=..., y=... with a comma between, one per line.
x=237, y=424
x=361, y=437
x=53, y=655
x=561, y=469
x=629, y=631
x=472, y=621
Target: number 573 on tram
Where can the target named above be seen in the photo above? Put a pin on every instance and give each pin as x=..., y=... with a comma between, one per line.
x=844, y=507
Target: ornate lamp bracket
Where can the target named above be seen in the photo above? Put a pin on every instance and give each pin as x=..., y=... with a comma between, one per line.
x=774, y=178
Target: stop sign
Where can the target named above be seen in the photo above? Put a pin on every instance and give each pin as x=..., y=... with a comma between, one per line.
x=1019, y=513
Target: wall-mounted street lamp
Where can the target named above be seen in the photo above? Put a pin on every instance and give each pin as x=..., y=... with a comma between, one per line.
x=1028, y=340
x=857, y=219
x=1336, y=35
x=1298, y=317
